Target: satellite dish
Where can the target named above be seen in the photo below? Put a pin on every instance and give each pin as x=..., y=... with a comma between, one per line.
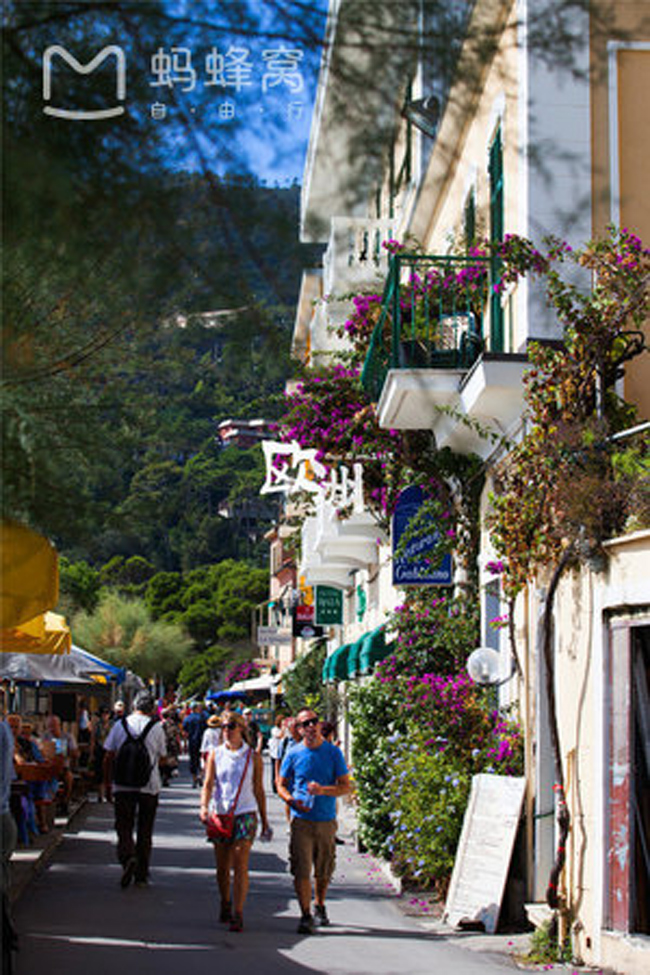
x=484, y=666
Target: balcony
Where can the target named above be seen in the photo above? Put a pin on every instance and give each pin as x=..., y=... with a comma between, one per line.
x=354, y=257
x=426, y=367
x=431, y=317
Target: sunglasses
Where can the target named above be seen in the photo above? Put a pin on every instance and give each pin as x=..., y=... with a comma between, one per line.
x=309, y=722
x=230, y=725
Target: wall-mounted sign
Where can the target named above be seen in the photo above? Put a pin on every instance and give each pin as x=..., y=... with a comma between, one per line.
x=329, y=606
x=413, y=566
x=268, y=636
x=362, y=602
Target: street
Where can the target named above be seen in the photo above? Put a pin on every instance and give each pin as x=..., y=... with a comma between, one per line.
x=76, y=919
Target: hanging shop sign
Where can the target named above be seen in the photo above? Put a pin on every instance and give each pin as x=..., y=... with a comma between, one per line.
x=304, y=623
x=329, y=606
x=269, y=636
x=413, y=566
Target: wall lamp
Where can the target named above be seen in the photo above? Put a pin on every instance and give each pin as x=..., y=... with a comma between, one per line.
x=484, y=667
x=424, y=113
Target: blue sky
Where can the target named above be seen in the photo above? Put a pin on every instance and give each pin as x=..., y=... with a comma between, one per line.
x=248, y=99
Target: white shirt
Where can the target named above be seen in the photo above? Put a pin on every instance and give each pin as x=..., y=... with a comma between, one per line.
x=211, y=739
x=156, y=746
x=229, y=767
x=275, y=742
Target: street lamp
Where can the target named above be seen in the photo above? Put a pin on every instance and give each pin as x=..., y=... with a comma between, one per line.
x=484, y=667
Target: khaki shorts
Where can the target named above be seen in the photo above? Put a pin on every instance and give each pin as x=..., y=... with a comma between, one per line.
x=312, y=847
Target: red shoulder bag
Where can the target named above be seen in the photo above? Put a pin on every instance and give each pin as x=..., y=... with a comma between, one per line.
x=221, y=826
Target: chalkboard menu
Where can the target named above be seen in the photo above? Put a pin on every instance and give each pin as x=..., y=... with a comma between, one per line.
x=484, y=852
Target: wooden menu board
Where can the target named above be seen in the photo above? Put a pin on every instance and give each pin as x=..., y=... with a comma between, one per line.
x=484, y=851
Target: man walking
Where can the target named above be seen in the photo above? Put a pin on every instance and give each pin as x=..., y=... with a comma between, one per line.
x=193, y=727
x=134, y=748
x=312, y=776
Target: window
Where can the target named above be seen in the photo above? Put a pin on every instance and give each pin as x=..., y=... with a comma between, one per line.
x=495, y=171
x=469, y=220
x=492, y=611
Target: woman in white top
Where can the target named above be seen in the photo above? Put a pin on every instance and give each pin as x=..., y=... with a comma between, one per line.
x=226, y=766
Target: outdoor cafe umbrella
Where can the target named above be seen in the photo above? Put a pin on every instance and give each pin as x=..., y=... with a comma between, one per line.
x=47, y=634
x=78, y=667
x=26, y=668
x=30, y=575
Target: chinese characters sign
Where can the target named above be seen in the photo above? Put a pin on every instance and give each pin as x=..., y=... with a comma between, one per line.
x=291, y=468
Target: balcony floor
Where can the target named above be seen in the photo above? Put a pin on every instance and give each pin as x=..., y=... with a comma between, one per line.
x=411, y=398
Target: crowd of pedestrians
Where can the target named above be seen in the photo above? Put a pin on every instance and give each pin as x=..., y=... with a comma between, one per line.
x=307, y=771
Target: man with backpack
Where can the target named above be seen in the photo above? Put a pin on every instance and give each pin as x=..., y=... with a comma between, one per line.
x=133, y=751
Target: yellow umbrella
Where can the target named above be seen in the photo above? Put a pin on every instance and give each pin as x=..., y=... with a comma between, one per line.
x=47, y=633
x=30, y=575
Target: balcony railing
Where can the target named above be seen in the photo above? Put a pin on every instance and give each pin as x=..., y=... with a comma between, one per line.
x=432, y=316
x=354, y=255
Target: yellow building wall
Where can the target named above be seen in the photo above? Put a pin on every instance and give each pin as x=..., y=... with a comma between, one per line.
x=582, y=601
x=621, y=85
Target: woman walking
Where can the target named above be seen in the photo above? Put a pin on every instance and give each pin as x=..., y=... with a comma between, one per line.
x=233, y=784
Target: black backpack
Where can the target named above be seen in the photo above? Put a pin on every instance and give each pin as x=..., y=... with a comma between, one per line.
x=133, y=763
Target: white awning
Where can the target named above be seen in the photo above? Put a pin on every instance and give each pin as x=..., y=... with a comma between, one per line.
x=264, y=683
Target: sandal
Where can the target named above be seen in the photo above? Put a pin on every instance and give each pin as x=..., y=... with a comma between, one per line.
x=237, y=923
x=225, y=914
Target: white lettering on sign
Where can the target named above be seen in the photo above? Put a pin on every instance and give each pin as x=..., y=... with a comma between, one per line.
x=291, y=468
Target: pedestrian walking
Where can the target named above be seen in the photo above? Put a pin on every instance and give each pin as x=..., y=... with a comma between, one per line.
x=312, y=776
x=101, y=732
x=193, y=728
x=233, y=786
x=292, y=738
x=276, y=740
x=133, y=749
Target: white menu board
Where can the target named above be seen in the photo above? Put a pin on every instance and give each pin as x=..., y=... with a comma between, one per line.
x=484, y=851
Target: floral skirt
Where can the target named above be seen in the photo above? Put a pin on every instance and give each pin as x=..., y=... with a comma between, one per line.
x=245, y=829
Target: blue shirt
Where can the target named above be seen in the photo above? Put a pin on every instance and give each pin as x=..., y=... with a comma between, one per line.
x=324, y=765
x=194, y=726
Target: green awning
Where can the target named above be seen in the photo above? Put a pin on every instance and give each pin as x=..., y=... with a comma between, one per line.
x=335, y=667
x=357, y=659
x=373, y=650
x=354, y=658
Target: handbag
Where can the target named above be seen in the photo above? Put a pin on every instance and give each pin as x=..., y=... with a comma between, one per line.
x=221, y=826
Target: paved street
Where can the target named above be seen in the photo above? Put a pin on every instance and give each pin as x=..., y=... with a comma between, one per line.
x=76, y=919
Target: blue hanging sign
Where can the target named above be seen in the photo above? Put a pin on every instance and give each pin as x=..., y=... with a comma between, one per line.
x=408, y=569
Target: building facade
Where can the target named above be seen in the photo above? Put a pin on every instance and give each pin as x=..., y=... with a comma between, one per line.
x=539, y=130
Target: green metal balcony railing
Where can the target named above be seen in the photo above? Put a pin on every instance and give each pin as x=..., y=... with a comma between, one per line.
x=432, y=315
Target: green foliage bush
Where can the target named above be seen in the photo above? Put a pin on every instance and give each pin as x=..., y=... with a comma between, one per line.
x=374, y=709
x=417, y=741
x=303, y=686
x=426, y=797
x=434, y=633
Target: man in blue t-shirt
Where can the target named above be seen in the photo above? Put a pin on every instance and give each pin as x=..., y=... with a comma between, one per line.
x=312, y=776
